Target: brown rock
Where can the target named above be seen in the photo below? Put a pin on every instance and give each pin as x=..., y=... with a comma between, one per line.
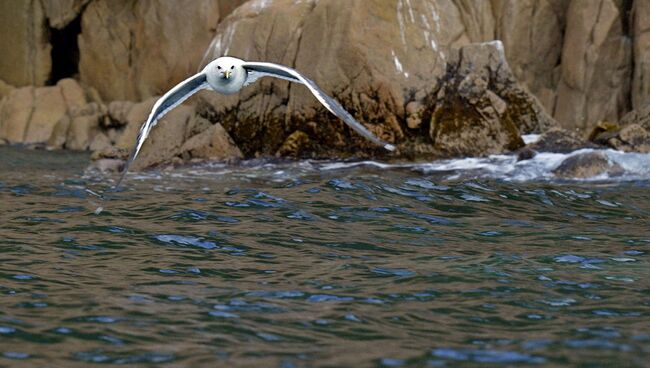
x=16, y=113
x=641, y=39
x=131, y=50
x=61, y=12
x=82, y=131
x=118, y=112
x=73, y=94
x=561, y=141
x=5, y=89
x=213, y=143
x=24, y=43
x=480, y=108
x=596, y=65
x=532, y=33
x=631, y=135
x=370, y=57
x=48, y=108
x=164, y=141
x=108, y=165
x=100, y=142
x=587, y=165
x=294, y=145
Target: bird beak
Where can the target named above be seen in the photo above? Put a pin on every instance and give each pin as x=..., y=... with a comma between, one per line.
x=227, y=74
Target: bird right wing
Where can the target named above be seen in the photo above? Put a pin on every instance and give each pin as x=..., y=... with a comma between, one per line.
x=167, y=102
x=257, y=70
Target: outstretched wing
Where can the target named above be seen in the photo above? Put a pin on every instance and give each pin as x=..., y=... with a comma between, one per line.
x=257, y=70
x=168, y=101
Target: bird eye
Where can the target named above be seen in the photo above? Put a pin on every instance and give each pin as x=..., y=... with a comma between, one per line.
x=232, y=67
x=218, y=67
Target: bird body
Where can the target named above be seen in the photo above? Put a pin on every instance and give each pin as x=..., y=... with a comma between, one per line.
x=228, y=75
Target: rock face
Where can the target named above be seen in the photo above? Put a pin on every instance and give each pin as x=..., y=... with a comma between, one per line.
x=41, y=114
x=131, y=50
x=24, y=43
x=596, y=64
x=587, y=165
x=641, y=37
x=387, y=73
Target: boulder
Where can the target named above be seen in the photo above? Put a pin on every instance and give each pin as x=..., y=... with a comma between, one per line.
x=480, y=109
x=560, y=141
x=213, y=143
x=24, y=43
x=631, y=135
x=5, y=89
x=132, y=50
x=587, y=165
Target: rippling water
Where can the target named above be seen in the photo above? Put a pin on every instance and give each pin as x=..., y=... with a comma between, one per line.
x=305, y=264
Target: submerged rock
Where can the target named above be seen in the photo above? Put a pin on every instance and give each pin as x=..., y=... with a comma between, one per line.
x=587, y=165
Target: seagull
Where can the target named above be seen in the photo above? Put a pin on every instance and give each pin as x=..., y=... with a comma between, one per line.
x=228, y=75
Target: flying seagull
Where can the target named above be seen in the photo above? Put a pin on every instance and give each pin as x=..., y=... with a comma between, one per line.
x=228, y=75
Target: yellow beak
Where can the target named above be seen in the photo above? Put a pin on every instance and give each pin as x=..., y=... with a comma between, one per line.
x=227, y=74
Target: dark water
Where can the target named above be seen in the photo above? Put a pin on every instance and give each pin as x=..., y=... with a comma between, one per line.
x=290, y=266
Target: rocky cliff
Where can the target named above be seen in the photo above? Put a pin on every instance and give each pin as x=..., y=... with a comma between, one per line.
x=421, y=73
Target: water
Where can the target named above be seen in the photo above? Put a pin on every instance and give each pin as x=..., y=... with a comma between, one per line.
x=319, y=265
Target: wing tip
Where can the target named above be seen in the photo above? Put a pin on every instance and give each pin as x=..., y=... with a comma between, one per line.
x=390, y=147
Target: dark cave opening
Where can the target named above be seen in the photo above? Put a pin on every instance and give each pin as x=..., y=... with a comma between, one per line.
x=65, y=51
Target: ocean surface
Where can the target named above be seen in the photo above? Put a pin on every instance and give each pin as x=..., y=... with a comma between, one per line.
x=474, y=262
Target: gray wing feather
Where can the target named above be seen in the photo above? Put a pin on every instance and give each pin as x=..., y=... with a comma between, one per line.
x=257, y=70
x=166, y=103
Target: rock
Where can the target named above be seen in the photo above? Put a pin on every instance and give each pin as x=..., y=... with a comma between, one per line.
x=532, y=32
x=480, y=108
x=164, y=141
x=73, y=94
x=108, y=165
x=294, y=145
x=560, y=141
x=82, y=132
x=16, y=114
x=118, y=112
x=110, y=152
x=132, y=50
x=24, y=44
x=5, y=89
x=603, y=131
x=100, y=142
x=381, y=71
x=48, y=107
x=526, y=153
x=596, y=65
x=61, y=12
x=631, y=135
x=213, y=143
x=587, y=165
x=641, y=39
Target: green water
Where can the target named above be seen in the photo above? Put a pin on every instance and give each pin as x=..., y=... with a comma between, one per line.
x=286, y=265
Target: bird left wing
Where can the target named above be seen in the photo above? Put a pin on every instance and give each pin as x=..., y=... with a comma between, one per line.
x=167, y=102
x=257, y=70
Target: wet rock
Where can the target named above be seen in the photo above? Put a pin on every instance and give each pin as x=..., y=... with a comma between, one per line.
x=294, y=145
x=561, y=141
x=131, y=50
x=100, y=142
x=108, y=165
x=526, y=153
x=213, y=143
x=587, y=165
x=480, y=108
x=632, y=134
x=118, y=112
